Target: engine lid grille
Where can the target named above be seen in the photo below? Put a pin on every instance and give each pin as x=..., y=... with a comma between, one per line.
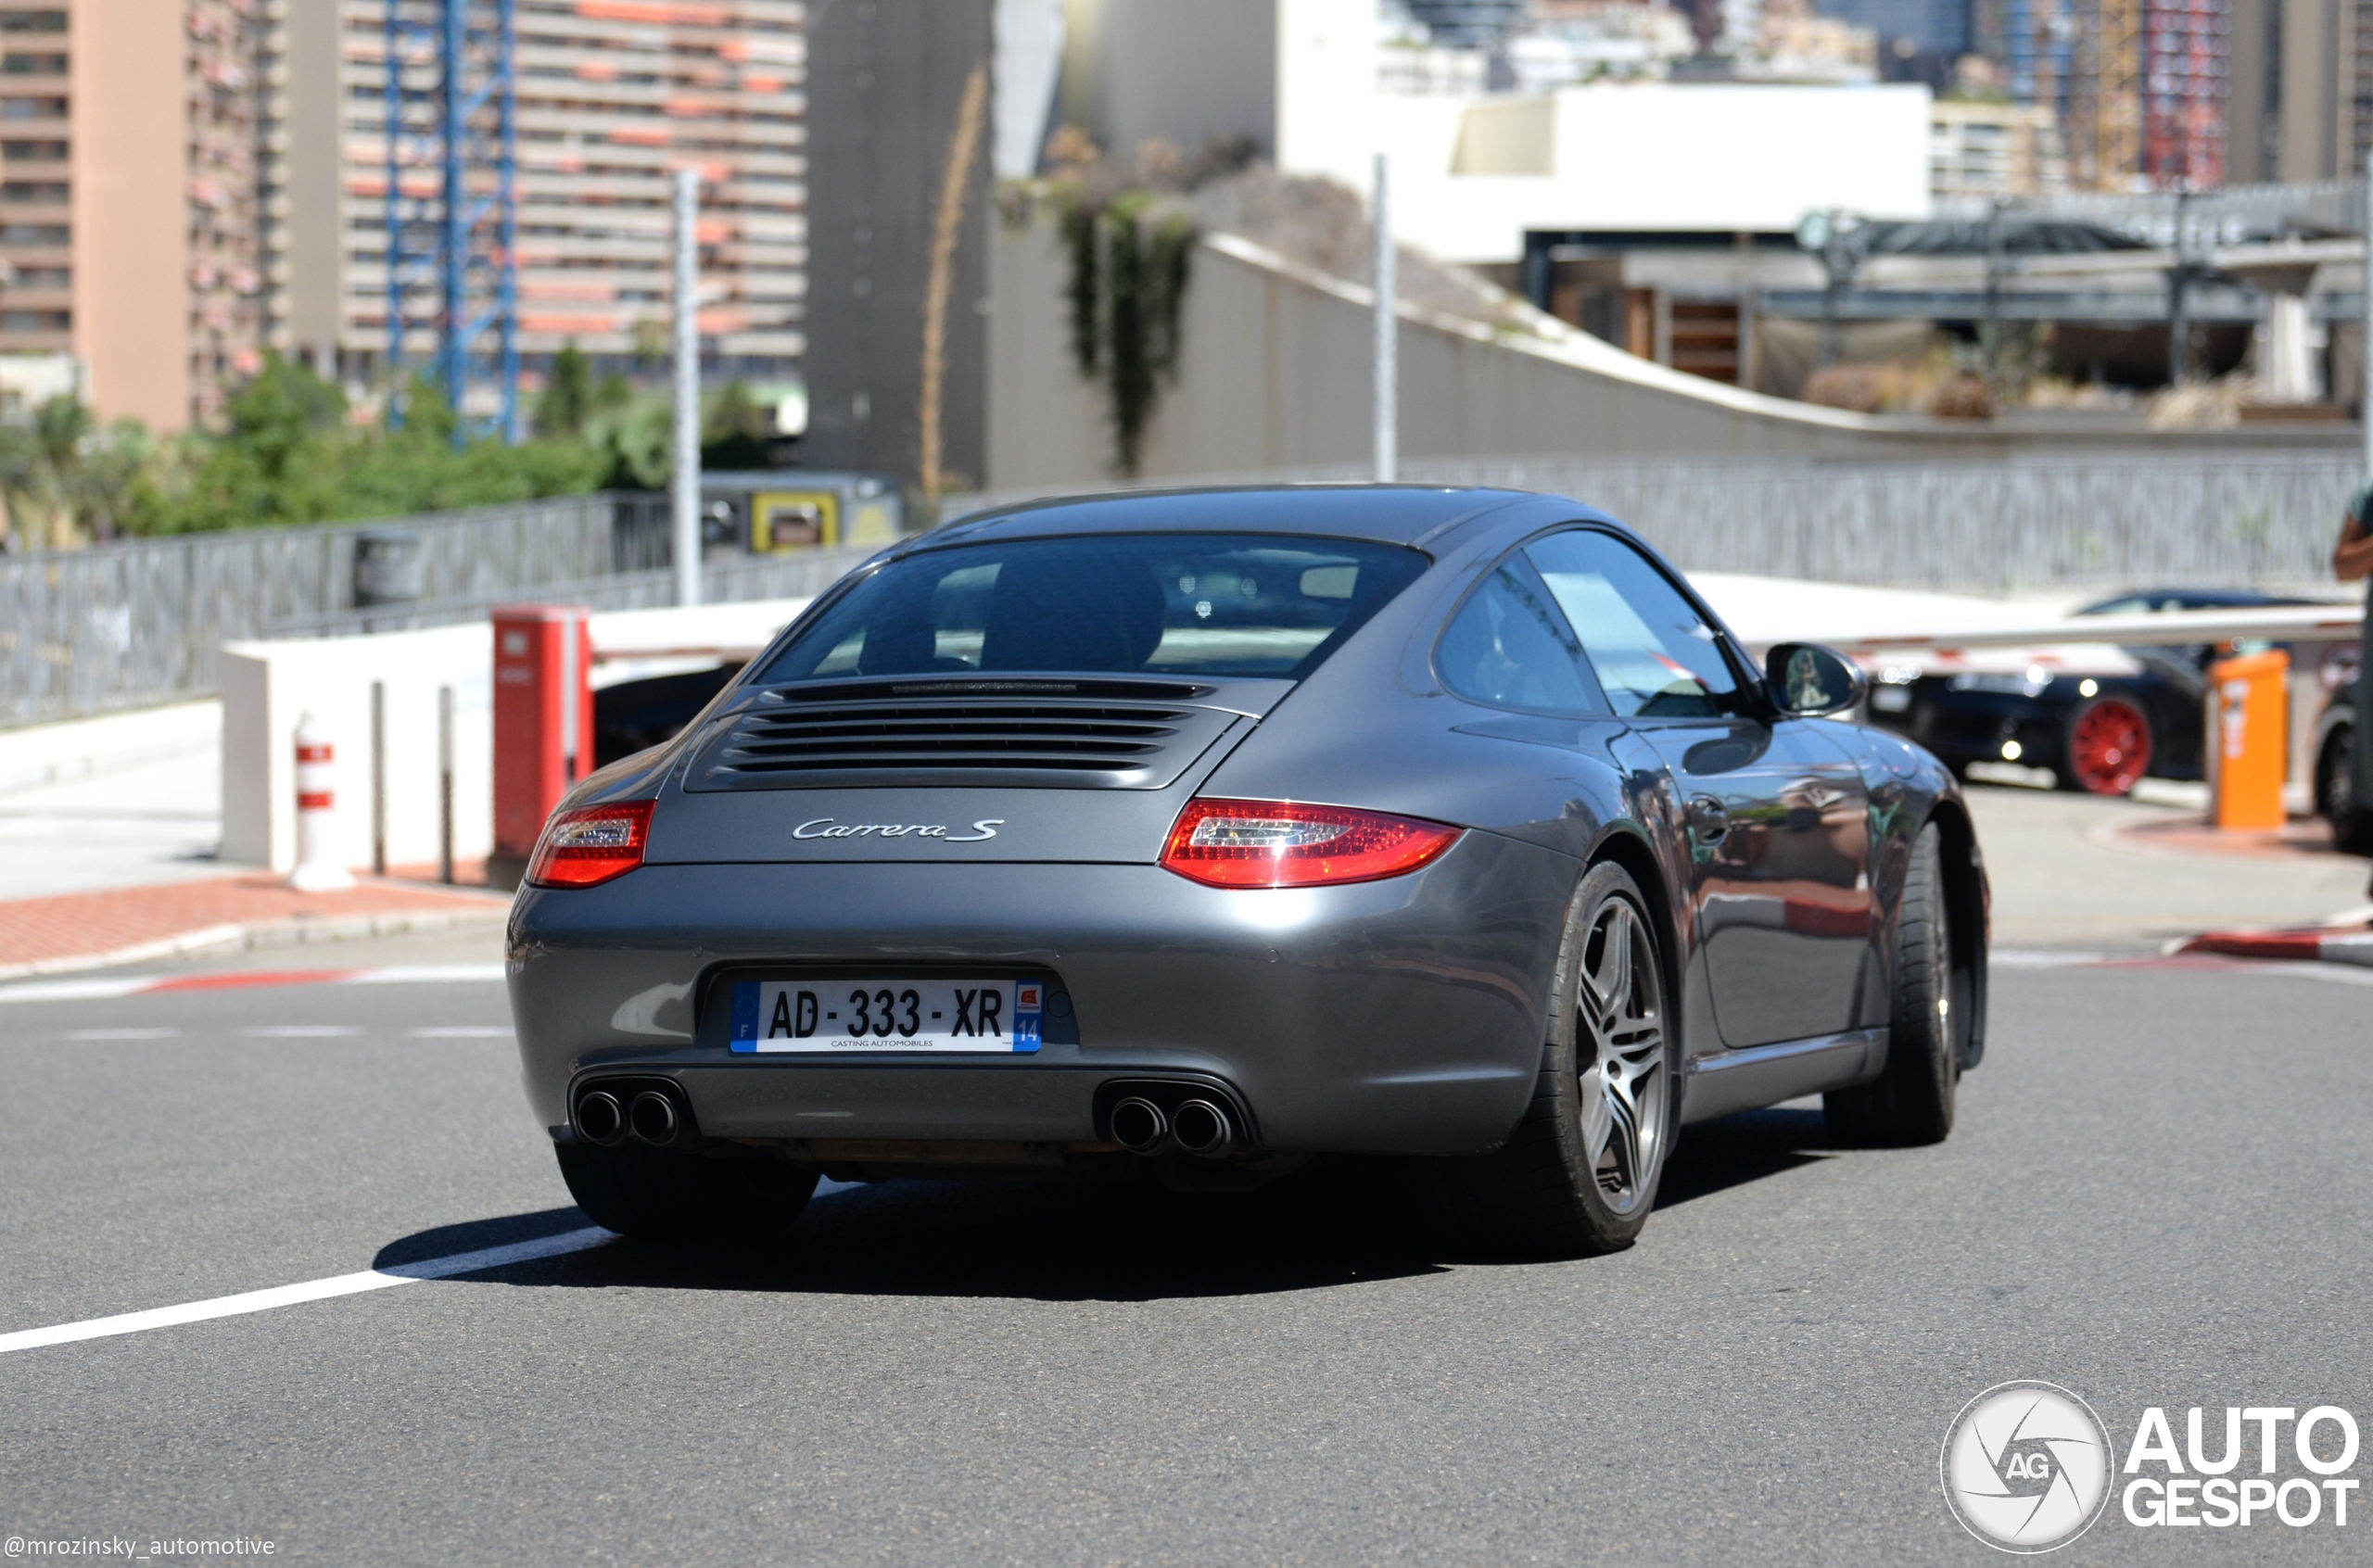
x=1082, y=734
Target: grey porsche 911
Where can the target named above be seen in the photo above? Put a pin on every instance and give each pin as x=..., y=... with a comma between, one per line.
x=1191, y=835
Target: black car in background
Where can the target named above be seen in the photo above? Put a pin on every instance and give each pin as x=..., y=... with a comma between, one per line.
x=2335, y=732
x=2104, y=728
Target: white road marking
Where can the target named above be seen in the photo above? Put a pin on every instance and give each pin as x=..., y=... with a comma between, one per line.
x=2032, y=958
x=826, y=1187
x=312, y=1290
x=72, y=990
x=418, y=974
x=2351, y=972
x=302, y=1032
x=123, y=1034
x=461, y=1032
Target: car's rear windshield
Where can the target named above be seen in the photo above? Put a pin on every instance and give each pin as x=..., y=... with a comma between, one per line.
x=1215, y=605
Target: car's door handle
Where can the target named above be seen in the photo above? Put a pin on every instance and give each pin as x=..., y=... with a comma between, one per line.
x=1708, y=819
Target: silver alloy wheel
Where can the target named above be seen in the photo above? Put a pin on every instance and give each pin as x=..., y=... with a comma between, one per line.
x=1624, y=1076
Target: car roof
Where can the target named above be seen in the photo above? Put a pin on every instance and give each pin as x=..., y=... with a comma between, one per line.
x=1401, y=514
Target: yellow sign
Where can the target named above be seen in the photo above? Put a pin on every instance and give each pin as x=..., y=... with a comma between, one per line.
x=795, y=519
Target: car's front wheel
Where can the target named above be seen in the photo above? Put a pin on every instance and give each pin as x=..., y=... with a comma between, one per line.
x=678, y=1196
x=1580, y=1172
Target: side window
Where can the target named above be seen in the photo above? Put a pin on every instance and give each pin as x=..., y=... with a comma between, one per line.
x=1510, y=646
x=1655, y=655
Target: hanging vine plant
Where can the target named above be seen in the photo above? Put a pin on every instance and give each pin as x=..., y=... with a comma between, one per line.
x=1128, y=261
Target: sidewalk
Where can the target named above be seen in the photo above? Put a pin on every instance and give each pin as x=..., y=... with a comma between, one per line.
x=2080, y=873
x=88, y=930
x=111, y=833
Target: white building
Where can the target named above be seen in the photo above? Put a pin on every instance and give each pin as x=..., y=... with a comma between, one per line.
x=1473, y=173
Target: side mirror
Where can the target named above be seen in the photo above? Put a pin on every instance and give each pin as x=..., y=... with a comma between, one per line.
x=1807, y=680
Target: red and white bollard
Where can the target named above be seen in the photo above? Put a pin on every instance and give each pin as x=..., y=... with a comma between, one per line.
x=317, y=865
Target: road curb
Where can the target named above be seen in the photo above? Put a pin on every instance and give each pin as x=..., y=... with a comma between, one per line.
x=2350, y=945
x=291, y=932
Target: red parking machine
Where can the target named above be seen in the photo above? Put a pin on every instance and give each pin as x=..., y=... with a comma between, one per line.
x=543, y=724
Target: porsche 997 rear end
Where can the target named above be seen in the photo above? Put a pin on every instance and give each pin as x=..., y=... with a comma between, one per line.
x=954, y=877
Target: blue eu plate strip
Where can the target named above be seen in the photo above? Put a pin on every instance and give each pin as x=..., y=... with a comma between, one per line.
x=745, y=1016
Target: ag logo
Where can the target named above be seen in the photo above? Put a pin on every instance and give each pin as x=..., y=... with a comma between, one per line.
x=2026, y=1467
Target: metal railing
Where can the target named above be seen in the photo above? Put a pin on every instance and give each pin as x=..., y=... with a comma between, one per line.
x=1997, y=526
x=135, y=624
x=130, y=624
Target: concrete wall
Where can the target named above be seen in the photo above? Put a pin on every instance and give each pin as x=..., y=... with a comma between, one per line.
x=268, y=687
x=130, y=237
x=1139, y=69
x=1275, y=372
x=44, y=755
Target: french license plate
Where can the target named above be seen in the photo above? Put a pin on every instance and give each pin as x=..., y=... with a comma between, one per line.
x=845, y=1016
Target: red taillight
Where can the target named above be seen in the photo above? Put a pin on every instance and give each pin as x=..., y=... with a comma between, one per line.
x=590, y=844
x=1286, y=845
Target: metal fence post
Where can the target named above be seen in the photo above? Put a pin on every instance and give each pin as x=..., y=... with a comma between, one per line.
x=2365, y=315
x=1388, y=329
x=378, y=779
x=445, y=785
x=687, y=485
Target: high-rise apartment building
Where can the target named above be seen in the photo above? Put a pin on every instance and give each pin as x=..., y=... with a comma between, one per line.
x=613, y=95
x=129, y=211
x=2185, y=48
x=2139, y=86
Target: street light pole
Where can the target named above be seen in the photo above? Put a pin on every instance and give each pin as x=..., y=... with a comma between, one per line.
x=1993, y=330
x=2364, y=317
x=687, y=486
x=1387, y=334
x=1834, y=262
x=2179, y=280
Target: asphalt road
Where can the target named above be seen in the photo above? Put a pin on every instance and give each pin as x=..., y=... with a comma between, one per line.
x=2156, y=1196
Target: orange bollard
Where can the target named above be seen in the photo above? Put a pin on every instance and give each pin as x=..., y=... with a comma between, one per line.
x=2252, y=737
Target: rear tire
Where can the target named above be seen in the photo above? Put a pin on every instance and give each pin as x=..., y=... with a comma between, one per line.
x=676, y=1197
x=1580, y=1174
x=1911, y=1101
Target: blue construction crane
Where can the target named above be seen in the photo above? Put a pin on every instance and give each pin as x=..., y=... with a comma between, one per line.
x=453, y=115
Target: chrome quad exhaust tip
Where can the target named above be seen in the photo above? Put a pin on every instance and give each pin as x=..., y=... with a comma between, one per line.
x=1140, y=1126
x=1203, y=1129
x=600, y=1118
x=654, y=1119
